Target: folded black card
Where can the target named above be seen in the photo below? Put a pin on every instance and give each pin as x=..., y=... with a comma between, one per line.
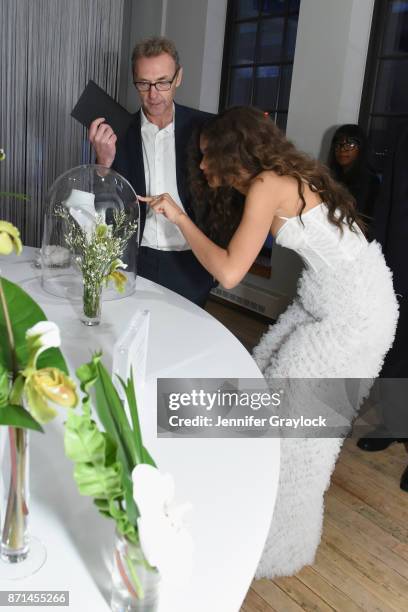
x=95, y=102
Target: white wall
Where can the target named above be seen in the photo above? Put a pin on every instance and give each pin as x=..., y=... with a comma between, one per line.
x=185, y=24
x=146, y=18
x=197, y=28
x=212, y=56
x=328, y=71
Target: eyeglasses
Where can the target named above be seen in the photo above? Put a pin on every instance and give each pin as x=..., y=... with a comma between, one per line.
x=346, y=145
x=159, y=85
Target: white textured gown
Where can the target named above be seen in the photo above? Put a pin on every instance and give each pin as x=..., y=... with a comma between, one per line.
x=340, y=325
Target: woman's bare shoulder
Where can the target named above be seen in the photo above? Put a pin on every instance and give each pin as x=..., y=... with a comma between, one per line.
x=269, y=178
x=271, y=185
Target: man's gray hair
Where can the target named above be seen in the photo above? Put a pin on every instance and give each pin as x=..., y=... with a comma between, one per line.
x=154, y=46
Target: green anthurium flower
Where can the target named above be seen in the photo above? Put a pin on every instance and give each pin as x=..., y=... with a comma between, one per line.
x=9, y=239
x=48, y=387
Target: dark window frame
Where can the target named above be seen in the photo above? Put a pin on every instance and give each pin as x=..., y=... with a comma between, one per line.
x=375, y=56
x=228, y=65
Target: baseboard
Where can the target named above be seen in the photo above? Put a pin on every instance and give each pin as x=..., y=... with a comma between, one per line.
x=267, y=304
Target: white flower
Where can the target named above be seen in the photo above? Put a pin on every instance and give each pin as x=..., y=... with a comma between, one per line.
x=81, y=206
x=44, y=334
x=164, y=539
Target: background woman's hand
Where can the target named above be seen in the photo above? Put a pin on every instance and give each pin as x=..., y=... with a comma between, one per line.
x=165, y=205
x=103, y=139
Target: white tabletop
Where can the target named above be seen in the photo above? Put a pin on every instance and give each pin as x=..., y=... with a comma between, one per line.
x=231, y=483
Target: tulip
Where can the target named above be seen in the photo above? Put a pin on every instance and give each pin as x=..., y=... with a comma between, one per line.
x=9, y=239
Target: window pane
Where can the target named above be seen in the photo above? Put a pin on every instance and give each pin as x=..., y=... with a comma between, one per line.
x=243, y=43
x=281, y=120
x=271, y=36
x=383, y=134
x=291, y=36
x=267, y=87
x=392, y=95
x=284, y=91
x=396, y=32
x=247, y=8
x=294, y=5
x=273, y=7
x=240, y=89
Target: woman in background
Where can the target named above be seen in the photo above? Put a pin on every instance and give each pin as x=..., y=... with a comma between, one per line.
x=342, y=321
x=348, y=161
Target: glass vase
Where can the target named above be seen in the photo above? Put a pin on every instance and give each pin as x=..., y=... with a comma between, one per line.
x=135, y=584
x=91, y=303
x=20, y=554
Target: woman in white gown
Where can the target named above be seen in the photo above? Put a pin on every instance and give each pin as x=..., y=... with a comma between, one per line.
x=342, y=321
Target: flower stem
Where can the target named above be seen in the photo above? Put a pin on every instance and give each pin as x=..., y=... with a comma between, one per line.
x=135, y=589
x=14, y=528
x=92, y=299
x=10, y=335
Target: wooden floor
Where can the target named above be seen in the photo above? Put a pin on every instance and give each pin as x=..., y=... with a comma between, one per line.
x=362, y=561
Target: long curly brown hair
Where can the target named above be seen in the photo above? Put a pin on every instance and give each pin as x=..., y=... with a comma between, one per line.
x=244, y=138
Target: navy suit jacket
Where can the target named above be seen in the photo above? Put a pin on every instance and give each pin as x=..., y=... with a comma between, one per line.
x=129, y=155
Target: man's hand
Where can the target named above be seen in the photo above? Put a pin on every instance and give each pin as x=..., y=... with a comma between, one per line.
x=165, y=205
x=103, y=139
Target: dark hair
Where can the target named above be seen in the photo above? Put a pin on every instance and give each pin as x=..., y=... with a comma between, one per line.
x=246, y=138
x=355, y=132
x=154, y=46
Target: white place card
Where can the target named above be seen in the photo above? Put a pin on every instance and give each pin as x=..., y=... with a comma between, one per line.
x=130, y=352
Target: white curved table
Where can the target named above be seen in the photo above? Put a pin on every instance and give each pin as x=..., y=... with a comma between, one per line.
x=231, y=483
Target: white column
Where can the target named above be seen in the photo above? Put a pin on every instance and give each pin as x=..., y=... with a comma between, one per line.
x=328, y=71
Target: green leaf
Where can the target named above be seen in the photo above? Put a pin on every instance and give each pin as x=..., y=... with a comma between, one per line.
x=112, y=414
x=92, y=451
x=24, y=313
x=102, y=504
x=17, y=389
x=147, y=458
x=87, y=374
x=110, y=449
x=129, y=390
x=98, y=482
x=4, y=386
x=143, y=455
x=131, y=507
x=83, y=442
x=17, y=416
x=103, y=507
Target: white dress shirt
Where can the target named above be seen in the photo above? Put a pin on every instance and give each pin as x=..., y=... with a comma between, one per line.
x=159, y=159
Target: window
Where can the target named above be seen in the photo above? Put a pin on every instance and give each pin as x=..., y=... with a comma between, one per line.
x=384, y=103
x=259, y=48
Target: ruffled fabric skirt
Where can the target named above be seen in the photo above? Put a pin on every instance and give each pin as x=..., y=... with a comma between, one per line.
x=340, y=325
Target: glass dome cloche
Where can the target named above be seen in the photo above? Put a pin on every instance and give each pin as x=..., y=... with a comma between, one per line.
x=91, y=234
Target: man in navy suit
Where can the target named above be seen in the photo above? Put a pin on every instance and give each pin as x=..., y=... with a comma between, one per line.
x=153, y=157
